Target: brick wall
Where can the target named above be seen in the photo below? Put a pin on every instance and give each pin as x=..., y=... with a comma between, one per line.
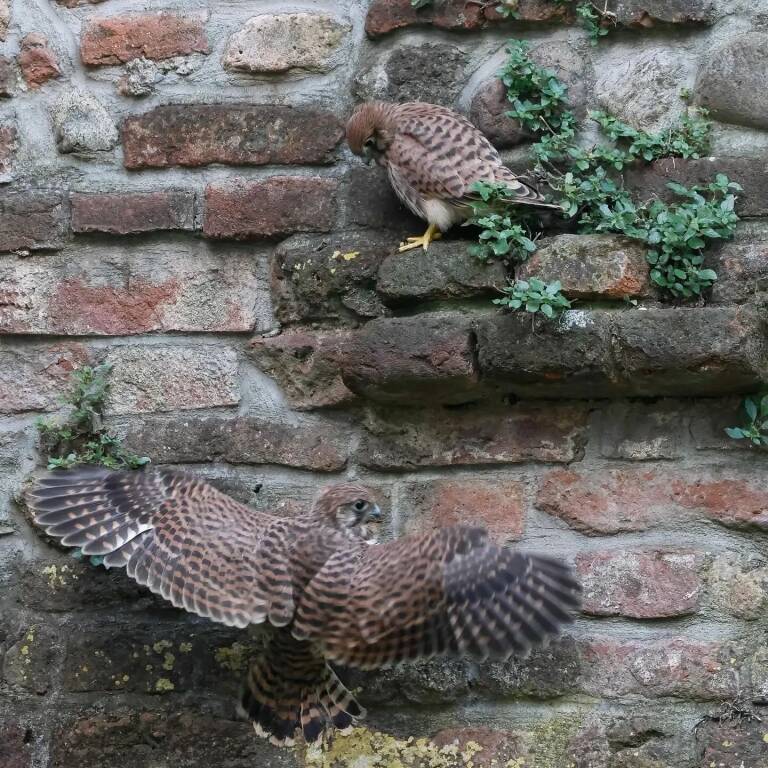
x=176, y=199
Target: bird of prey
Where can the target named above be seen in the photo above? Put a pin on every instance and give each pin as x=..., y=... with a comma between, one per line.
x=433, y=156
x=314, y=580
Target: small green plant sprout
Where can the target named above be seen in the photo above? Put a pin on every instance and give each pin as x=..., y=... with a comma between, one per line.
x=756, y=430
x=80, y=437
x=534, y=296
x=595, y=20
x=505, y=232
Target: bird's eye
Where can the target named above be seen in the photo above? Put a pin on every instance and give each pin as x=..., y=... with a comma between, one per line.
x=369, y=142
x=360, y=505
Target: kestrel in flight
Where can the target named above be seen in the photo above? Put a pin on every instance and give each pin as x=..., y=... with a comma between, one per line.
x=314, y=580
x=433, y=156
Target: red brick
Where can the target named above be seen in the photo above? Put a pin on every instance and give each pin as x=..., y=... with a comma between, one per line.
x=428, y=358
x=280, y=205
x=97, y=289
x=307, y=367
x=751, y=172
x=244, y=440
x=679, y=667
x=620, y=500
x=408, y=438
x=590, y=266
x=156, y=36
x=457, y=15
x=640, y=584
x=37, y=61
x=128, y=213
x=233, y=134
x=737, y=502
x=33, y=377
x=497, y=505
x=32, y=220
x=170, y=378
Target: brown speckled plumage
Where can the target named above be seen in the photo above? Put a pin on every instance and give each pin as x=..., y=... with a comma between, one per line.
x=315, y=579
x=433, y=156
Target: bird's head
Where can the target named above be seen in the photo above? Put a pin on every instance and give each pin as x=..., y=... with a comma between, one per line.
x=348, y=507
x=369, y=130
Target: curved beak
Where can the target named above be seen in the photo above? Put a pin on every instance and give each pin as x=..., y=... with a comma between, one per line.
x=374, y=514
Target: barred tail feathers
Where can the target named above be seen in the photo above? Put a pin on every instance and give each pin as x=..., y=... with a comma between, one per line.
x=291, y=688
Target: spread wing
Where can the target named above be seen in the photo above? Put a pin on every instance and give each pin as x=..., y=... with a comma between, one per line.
x=451, y=591
x=179, y=536
x=441, y=154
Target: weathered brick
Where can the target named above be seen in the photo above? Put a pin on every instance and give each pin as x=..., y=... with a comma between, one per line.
x=169, y=378
x=738, y=586
x=404, y=439
x=728, y=85
x=385, y=16
x=642, y=430
x=118, y=39
x=751, y=172
x=278, y=42
x=371, y=202
x=329, y=278
x=444, y=273
x=640, y=584
x=733, y=743
x=566, y=358
x=183, y=738
x=92, y=289
x=280, y=205
x=306, y=365
x=233, y=134
x=498, y=747
x=741, y=266
x=636, y=499
x=709, y=420
x=590, y=266
x=245, y=440
x=496, y=504
x=680, y=667
x=37, y=61
x=687, y=352
x=424, y=359
x=15, y=749
x=644, y=14
x=7, y=75
x=33, y=377
x=32, y=220
x=8, y=146
x=131, y=212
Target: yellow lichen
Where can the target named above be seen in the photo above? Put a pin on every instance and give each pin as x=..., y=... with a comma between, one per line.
x=234, y=657
x=169, y=660
x=161, y=645
x=185, y=647
x=163, y=685
x=363, y=748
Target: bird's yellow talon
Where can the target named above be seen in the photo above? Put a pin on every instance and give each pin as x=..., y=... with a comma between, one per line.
x=422, y=241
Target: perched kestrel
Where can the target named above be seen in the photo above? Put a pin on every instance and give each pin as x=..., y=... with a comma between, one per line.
x=433, y=156
x=326, y=594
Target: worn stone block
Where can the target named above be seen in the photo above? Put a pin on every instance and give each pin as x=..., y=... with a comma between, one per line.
x=126, y=213
x=371, y=202
x=15, y=750
x=329, y=278
x=444, y=273
x=642, y=431
x=590, y=266
x=33, y=377
x=738, y=586
x=82, y=123
x=742, y=268
x=32, y=220
x=8, y=145
x=425, y=359
x=318, y=446
x=7, y=75
x=92, y=289
x=5, y=17
x=232, y=134
x=728, y=82
x=29, y=658
x=169, y=378
x=496, y=504
x=433, y=72
x=406, y=439
x=117, y=39
x=280, y=205
x=645, y=14
x=283, y=41
x=37, y=61
x=640, y=584
x=306, y=365
x=732, y=744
